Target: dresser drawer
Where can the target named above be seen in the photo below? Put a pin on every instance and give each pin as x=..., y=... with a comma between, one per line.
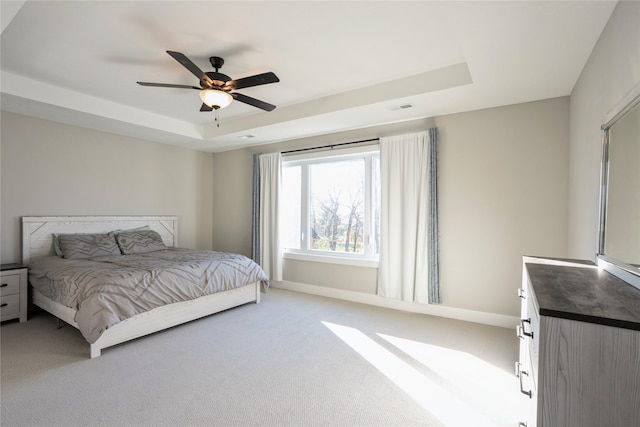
x=10, y=284
x=9, y=306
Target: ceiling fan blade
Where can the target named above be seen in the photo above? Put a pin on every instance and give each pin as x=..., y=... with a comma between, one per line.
x=186, y=63
x=168, y=85
x=205, y=107
x=254, y=102
x=257, y=80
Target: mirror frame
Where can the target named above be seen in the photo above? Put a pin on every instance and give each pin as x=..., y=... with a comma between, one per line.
x=618, y=268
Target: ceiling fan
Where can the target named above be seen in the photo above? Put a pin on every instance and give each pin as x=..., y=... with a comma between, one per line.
x=216, y=88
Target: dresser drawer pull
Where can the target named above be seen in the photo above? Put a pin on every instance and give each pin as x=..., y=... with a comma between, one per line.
x=4, y=285
x=3, y=305
x=520, y=373
x=520, y=329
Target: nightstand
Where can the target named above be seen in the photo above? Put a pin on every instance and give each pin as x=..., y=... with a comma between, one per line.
x=13, y=292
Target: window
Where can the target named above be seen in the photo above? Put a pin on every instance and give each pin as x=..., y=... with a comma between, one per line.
x=330, y=203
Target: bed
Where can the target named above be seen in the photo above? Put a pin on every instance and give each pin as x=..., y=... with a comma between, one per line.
x=159, y=258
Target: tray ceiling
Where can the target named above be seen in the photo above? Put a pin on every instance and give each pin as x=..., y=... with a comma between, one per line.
x=342, y=65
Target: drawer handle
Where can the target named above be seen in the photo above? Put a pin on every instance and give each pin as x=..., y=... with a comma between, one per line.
x=520, y=329
x=4, y=285
x=520, y=373
x=4, y=304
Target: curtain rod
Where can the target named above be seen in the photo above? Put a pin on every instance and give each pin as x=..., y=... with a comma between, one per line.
x=330, y=146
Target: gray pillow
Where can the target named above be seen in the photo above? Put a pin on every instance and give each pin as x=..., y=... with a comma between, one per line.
x=56, y=244
x=80, y=246
x=115, y=232
x=140, y=241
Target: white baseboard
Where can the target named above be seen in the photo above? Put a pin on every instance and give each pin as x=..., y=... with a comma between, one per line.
x=485, y=318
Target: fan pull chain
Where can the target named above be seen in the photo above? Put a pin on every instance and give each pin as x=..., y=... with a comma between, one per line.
x=217, y=117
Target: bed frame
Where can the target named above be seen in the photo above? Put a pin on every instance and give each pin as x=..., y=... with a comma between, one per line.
x=37, y=241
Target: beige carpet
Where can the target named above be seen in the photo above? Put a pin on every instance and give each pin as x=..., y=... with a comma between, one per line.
x=293, y=360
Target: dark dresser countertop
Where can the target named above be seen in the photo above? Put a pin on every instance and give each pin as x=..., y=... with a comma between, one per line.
x=585, y=293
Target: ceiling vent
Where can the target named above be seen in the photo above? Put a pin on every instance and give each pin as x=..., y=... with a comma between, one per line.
x=401, y=107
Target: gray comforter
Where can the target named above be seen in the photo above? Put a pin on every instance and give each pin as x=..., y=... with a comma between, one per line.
x=107, y=290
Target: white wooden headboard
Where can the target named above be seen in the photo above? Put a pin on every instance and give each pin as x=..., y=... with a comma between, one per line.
x=37, y=238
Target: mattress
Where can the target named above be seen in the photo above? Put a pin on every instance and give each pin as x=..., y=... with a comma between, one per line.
x=107, y=290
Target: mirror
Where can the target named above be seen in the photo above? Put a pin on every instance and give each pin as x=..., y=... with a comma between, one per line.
x=619, y=237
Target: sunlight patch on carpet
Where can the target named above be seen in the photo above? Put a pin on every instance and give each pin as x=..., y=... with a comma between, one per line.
x=448, y=408
x=487, y=388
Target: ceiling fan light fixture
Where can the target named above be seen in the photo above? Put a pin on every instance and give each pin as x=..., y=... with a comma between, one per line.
x=215, y=98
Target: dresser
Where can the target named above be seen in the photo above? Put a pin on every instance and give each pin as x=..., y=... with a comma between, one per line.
x=579, y=362
x=13, y=292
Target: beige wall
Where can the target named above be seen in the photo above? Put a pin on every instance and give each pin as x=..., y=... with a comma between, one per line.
x=503, y=191
x=50, y=168
x=612, y=72
x=502, y=174
x=232, y=195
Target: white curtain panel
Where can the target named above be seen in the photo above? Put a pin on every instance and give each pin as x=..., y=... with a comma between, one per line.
x=270, y=183
x=404, y=217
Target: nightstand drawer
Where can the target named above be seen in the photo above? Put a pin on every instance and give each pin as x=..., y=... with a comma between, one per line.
x=10, y=284
x=9, y=306
x=13, y=292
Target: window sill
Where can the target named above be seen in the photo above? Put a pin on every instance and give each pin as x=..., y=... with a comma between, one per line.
x=330, y=259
